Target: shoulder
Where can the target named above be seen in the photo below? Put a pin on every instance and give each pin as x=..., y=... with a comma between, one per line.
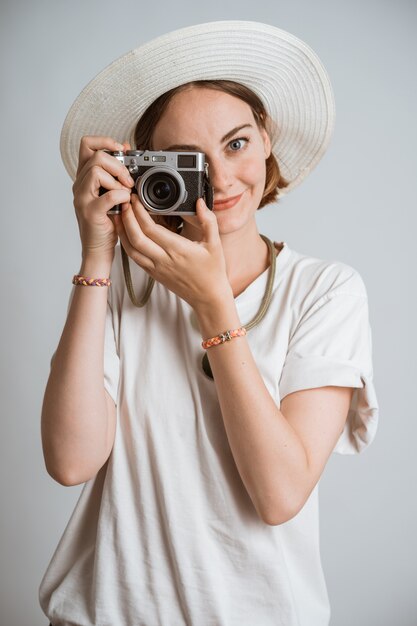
x=312, y=278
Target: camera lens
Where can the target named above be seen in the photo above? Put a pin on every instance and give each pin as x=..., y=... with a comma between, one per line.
x=161, y=191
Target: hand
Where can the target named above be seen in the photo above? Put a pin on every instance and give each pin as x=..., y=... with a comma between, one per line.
x=98, y=169
x=195, y=271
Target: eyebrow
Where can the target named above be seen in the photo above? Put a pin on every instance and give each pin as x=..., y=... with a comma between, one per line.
x=197, y=149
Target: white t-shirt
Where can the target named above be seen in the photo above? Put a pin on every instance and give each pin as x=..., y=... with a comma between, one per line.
x=166, y=533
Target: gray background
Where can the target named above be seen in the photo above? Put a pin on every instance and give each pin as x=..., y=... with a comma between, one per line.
x=356, y=207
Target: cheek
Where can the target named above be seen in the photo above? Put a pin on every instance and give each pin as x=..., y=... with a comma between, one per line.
x=253, y=169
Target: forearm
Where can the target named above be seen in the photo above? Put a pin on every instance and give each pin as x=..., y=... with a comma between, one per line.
x=74, y=413
x=269, y=455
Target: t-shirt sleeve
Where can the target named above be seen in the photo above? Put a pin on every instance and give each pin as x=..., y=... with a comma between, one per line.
x=332, y=345
x=111, y=357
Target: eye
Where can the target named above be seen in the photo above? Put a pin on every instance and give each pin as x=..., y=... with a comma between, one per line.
x=238, y=143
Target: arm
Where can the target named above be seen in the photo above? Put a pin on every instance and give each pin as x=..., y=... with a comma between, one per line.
x=279, y=453
x=78, y=416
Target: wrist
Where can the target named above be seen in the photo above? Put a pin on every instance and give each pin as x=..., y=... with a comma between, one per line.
x=217, y=316
x=96, y=267
x=212, y=301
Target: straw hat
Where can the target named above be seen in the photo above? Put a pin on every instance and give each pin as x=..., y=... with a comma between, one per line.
x=280, y=68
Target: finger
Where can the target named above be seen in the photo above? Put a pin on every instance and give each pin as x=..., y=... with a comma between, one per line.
x=172, y=243
x=109, y=199
x=98, y=183
x=138, y=257
x=208, y=221
x=90, y=143
x=101, y=162
x=137, y=238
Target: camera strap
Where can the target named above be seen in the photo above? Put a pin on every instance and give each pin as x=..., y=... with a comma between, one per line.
x=266, y=300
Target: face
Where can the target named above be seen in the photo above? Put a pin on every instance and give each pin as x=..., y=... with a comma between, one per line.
x=224, y=128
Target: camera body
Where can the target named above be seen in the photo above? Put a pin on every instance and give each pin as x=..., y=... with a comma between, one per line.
x=167, y=182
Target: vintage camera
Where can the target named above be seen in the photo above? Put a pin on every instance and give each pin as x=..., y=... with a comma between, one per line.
x=167, y=183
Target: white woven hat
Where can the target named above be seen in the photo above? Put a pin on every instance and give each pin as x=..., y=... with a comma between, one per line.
x=280, y=68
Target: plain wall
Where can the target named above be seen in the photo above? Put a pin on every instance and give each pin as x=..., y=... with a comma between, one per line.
x=356, y=207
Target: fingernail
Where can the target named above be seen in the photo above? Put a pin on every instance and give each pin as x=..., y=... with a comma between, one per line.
x=119, y=146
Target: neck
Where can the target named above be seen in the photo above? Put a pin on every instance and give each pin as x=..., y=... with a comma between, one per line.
x=246, y=254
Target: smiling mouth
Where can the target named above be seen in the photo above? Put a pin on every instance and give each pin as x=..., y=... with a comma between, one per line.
x=227, y=203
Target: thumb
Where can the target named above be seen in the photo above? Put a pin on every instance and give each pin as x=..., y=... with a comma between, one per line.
x=208, y=221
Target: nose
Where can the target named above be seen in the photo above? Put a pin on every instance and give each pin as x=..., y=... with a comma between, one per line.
x=220, y=174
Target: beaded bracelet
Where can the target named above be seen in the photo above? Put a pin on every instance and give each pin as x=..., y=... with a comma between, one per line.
x=227, y=335
x=91, y=282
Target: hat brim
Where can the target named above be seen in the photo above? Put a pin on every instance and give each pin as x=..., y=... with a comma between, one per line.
x=281, y=69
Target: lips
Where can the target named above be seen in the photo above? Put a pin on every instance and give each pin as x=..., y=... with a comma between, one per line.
x=227, y=203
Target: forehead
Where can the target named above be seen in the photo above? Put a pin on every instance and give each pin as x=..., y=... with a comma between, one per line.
x=207, y=98
x=202, y=111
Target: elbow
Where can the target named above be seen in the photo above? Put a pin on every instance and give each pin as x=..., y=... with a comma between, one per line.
x=280, y=512
x=65, y=479
x=74, y=471
x=68, y=478
x=278, y=519
x=69, y=481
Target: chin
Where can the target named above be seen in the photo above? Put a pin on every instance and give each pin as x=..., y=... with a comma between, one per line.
x=234, y=224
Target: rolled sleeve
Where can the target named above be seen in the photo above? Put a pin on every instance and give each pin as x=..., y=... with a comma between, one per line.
x=332, y=345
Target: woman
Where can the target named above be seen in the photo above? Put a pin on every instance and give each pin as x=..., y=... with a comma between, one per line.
x=200, y=504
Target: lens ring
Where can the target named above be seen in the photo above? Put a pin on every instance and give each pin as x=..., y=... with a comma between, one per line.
x=157, y=182
x=161, y=191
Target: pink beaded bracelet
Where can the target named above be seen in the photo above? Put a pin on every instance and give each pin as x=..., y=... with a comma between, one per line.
x=227, y=335
x=91, y=282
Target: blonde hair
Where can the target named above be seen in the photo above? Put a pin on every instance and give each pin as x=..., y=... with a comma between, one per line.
x=274, y=181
